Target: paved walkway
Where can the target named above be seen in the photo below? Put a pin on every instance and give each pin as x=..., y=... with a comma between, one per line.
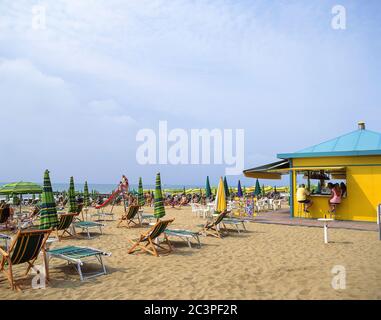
x=283, y=217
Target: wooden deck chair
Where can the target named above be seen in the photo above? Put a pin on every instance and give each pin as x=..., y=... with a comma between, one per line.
x=65, y=222
x=64, y=225
x=25, y=248
x=213, y=228
x=147, y=242
x=129, y=216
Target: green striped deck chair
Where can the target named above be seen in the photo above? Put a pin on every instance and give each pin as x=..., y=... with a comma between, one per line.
x=64, y=224
x=149, y=241
x=213, y=228
x=129, y=217
x=25, y=248
x=76, y=256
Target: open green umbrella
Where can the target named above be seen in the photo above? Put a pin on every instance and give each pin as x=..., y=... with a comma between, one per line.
x=20, y=188
x=208, y=190
x=257, y=190
x=159, y=203
x=226, y=187
x=48, y=211
x=72, y=200
x=141, y=200
x=86, y=197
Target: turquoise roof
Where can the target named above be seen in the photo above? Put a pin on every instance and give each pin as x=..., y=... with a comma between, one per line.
x=357, y=143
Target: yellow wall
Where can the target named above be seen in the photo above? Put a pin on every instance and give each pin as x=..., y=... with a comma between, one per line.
x=363, y=185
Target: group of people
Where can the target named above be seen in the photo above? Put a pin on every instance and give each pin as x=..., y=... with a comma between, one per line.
x=338, y=191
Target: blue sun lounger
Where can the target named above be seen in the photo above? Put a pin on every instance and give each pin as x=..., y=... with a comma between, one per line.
x=75, y=255
x=235, y=222
x=185, y=235
x=87, y=225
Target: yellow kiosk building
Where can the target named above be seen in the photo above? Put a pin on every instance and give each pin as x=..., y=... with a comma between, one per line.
x=352, y=160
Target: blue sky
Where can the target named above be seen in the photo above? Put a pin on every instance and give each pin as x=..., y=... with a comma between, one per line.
x=74, y=95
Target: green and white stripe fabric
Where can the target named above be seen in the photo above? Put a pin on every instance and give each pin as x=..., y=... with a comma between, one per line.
x=48, y=210
x=159, y=211
x=21, y=188
x=141, y=200
x=72, y=201
x=86, y=198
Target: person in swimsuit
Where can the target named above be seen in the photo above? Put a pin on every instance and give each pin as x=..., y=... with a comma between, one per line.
x=335, y=198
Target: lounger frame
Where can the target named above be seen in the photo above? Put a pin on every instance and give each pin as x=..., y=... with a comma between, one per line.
x=78, y=263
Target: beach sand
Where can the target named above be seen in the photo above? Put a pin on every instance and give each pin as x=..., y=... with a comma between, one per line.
x=266, y=262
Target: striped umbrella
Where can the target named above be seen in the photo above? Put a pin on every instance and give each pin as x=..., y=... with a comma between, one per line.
x=159, y=203
x=227, y=193
x=86, y=197
x=239, y=191
x=220, y=204
x=141, y=200
x=48, y=211
x=208, y=190
x=20, y=187
x=72, y=201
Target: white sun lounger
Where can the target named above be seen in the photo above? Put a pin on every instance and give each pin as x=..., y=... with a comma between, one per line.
x=75, y=255
x=184, y=235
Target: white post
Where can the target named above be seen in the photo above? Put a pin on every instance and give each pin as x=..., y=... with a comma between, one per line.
x=325, y=232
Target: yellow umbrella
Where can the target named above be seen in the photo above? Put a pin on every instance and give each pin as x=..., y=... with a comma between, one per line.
x=220, y=203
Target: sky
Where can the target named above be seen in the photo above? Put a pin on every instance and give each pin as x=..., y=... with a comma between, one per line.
x=74, y=95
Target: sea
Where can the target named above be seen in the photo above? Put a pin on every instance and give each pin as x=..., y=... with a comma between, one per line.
x=105, y=188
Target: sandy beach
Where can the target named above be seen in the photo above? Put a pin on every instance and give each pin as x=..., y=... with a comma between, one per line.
x=266, y=262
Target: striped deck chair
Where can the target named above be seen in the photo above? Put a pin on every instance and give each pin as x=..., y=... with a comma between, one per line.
x=213, y=228
x=25, y=248
x=75, y=255
x=64, y=224
x=129, y=217
x=149, y=241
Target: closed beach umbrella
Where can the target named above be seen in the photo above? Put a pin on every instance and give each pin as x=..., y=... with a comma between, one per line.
x=239, y=191
x=226, y=187
x=48, y=211
x=159, y=210
x=140, y=193
x=72, y=201
x=220, y=204
x=208, y=190
x=86, y=198
x=257, y=190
